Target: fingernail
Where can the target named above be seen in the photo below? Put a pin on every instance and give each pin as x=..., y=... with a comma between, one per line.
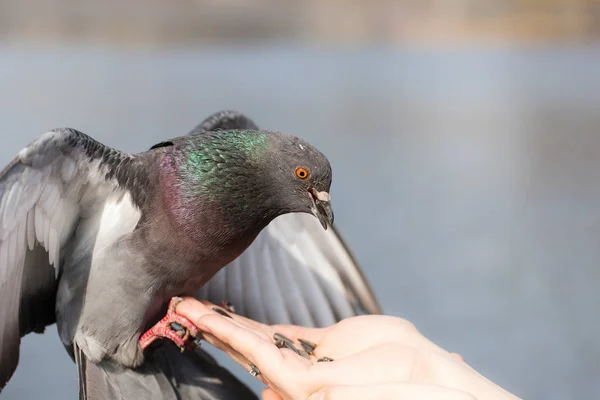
x=317, y=396
x=308, y=346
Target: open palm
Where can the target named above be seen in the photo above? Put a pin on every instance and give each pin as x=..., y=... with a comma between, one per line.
x=375, y=357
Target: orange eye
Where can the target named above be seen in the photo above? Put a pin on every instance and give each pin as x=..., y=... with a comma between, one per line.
x=301, y=173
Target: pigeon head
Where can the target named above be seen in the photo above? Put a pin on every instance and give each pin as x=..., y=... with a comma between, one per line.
x=302, y=176
x=240, y=180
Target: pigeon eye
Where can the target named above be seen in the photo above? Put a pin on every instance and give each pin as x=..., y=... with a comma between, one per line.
x=301, y=173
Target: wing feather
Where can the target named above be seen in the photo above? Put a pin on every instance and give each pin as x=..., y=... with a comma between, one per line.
x=275, y=298
x=41, y=193
x=30, y=229
x=252, y=299
x=294, y=299
x=328, y=279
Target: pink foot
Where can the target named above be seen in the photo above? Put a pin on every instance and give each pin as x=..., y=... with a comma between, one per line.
x=164, y=329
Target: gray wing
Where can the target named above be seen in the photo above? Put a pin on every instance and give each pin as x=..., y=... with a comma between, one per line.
x=224, y=120
x=44, y=192
x=295, y=271
x=167, y=374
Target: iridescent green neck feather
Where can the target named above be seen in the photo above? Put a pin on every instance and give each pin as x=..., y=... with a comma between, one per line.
x=217, y=164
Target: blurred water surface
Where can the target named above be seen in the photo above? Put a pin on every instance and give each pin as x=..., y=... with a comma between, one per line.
x=466, y=182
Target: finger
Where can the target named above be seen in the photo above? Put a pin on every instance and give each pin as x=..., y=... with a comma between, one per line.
x=194, y=310
x=237, y=357
x=221, y=332
x=238, y=317
x=274, y=363
x=270, y=394
x=404, y=391
x=301, y=346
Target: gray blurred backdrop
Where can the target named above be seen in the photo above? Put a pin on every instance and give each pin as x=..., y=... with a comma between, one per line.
x=464, y=137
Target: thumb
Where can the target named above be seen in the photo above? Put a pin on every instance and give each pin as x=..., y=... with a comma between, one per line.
x=270, y=394
x=405, y=391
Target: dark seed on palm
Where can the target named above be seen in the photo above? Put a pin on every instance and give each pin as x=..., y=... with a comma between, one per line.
x=223, y=313
x=307, y=349
x=303, y=353
x=287, y=342
x=279, y=336
x=283, y=342
x=325, y=359
x=292, y=347
x=308, y=345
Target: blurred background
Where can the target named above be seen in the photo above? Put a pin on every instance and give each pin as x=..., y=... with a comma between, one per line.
x=473, y=123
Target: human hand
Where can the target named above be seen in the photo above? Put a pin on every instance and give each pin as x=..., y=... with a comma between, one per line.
x=375, y=357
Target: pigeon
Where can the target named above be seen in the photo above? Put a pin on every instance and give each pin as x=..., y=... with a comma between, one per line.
x=99, y=241
x=325, y=279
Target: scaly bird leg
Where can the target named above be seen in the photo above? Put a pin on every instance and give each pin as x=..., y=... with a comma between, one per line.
x=173, y=326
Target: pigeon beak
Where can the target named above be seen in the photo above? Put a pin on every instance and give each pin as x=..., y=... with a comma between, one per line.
x=322, y=207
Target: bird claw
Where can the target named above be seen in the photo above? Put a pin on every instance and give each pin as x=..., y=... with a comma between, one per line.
x=174, y=327
x=190, y=345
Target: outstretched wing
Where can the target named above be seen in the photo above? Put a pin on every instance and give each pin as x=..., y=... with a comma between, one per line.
x=224, y=120
x=44, y=192
x=295, y=272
